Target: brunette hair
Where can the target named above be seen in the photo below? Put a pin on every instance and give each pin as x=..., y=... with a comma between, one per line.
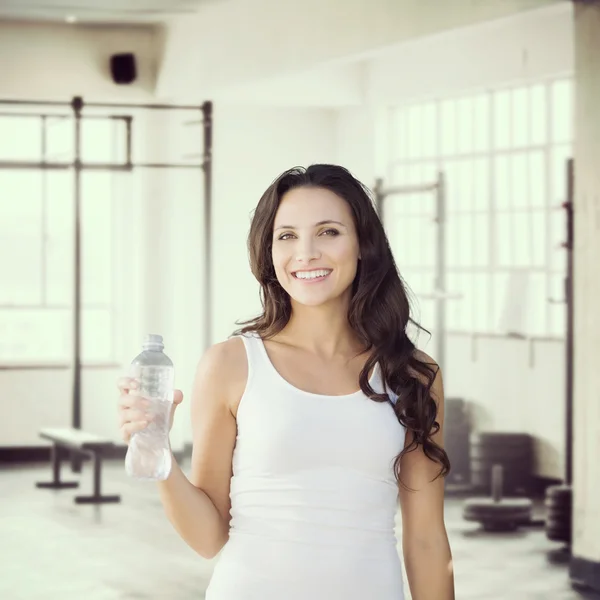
x=379, y=309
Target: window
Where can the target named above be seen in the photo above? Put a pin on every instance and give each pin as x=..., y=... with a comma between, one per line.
x=36, y=232
x=504, y=154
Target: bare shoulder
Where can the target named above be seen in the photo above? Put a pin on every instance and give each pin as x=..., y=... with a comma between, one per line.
x=223, y=369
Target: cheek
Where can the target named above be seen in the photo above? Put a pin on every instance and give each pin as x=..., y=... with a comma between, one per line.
x=279, y=258
x=347, y=255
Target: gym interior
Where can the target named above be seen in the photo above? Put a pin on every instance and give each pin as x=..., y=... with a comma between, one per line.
x=135, y=140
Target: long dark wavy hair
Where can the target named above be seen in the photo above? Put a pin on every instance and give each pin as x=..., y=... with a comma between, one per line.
x=379, y=311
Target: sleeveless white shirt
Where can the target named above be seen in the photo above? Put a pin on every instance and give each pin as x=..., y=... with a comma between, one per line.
x=313, y=494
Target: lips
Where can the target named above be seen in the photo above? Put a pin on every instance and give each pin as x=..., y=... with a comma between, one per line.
x=312, y=274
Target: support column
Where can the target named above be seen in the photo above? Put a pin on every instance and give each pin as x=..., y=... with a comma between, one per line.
x=585, y=566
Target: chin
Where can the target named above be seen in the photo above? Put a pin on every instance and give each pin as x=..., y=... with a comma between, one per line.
x=315, y=300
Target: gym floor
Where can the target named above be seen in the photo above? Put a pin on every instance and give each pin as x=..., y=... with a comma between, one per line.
x=55, y=550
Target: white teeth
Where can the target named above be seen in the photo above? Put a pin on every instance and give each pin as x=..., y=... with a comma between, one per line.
x=312, y=274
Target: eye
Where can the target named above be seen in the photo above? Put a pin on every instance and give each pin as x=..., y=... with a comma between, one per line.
x=285, y=236
x=331, y=232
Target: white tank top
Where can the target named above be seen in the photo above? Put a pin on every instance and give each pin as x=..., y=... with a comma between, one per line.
x=313, y=494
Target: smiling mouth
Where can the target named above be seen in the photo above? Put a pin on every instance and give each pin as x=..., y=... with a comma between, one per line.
x=312, y=276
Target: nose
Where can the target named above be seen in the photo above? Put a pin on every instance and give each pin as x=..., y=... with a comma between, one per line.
x=307, y=250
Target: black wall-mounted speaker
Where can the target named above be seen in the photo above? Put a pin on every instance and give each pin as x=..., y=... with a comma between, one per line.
x=123, y=68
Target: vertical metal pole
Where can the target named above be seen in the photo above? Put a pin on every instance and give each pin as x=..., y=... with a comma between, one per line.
x=44, y=224
x=128, y=159
x=440, y=278
x=77, y=105
x=569, y=245
x=207, y=121
x=379, y=197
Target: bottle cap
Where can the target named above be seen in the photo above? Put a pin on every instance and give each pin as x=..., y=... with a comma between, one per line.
x=153, y=340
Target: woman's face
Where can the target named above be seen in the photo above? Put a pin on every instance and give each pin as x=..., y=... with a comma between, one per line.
x=315, y=246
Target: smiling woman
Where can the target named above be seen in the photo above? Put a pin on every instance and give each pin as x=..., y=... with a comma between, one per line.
x=315, y=416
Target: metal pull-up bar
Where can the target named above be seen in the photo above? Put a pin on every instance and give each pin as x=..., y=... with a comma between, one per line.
x=77, y=106
x=440, y=293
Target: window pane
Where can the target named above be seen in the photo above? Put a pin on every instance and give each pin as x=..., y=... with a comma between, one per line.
x=538, y=304
x=481, y=124
x=465, y=240
x=560, y=155
x=29, y=335
x=558, y=315
x=103, y=140
x=20, y=237
x=21, y=138
x=96, y=327
x=538, y=106
x=481, y=302
x=452, y=240
x=97, y=239
x=522, y=239
x=537, y=180
x=60, y=139
x=481, y=184
x=429, y=130
x=520, y=181
x=59, y=251
x=504, y=239
x=558, y=229
x=502, y=122
x=538, y=238
x=414, y=132
x=453, y=307
x=448, y=125
x=500, y=287
x=481, y=254
x=503, y=178
x=562, y=105
x=427, y=320
x=400, y=134
x=520, y=117
x=465, y=125
x=467, y=302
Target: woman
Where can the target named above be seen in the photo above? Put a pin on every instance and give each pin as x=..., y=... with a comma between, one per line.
x=312, y=420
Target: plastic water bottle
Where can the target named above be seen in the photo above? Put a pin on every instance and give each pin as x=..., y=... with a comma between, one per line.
x=149, y=456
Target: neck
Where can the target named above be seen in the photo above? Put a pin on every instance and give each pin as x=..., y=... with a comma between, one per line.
x=323, y=330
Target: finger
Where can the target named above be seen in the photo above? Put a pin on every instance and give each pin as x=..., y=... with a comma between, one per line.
x=133, y=401
x=177, y=397
x=130, y=428
x=125, y=384
x=133, y=415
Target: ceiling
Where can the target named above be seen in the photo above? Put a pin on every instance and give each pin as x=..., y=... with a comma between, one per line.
x=97, y=11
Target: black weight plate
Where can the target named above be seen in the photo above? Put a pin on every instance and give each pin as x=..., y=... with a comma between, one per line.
x=558, y=535
x=486, y=453
x=493, y=437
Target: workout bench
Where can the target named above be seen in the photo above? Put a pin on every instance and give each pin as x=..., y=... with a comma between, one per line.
x=79, y=442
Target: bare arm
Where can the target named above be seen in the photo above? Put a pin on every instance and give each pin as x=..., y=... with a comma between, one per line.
x=426, y=549
x=198, y=507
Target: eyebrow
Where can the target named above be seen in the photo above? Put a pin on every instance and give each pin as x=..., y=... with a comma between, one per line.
x=327, y=222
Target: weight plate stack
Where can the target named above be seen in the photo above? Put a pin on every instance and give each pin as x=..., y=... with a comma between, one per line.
x=457, y=430
x=502, y=515
x=512, y=451
x=559, y=511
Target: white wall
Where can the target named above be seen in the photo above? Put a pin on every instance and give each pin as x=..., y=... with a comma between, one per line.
x=530, y=46
x=61, y=61
x=315, y=34
x=160, y=219
x=251, y=147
